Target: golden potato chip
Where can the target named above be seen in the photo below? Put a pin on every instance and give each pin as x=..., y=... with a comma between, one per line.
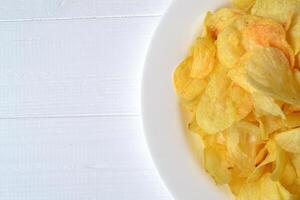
x=242, y=140
x=215, y=164
x=193, y=126
x=261, y=155
x=268, y=71
x=263, y=189
x=243, y=4
x=236, y=183
x=190, y=105
x=279, y=10
x=267, y=33
x=289, y=175
x=289, y=140
x=295, y=158
x=285, y=194
x=293, y=34
x=222, y=104
x=243, y=21
x=288, y=108
x=241, y=86
x=216, y=22
x=295, y=188
x=251, y=117
x=264, y=158
x=264, y=104
x=297, y=66
x=292, y=181
x=281, y=161
x=269, y=124
x=204, y=54
x=186, y=87
x=293, y=120
x=230, y=47
x=238, y=76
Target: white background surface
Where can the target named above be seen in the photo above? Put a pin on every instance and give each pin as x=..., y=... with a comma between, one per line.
x=70, y=126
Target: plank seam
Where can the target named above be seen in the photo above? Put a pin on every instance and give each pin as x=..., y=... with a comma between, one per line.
x=80, y=18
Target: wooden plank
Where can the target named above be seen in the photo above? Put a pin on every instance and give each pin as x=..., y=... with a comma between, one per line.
x=76, y=158
x=29, y=9
x=77, y=67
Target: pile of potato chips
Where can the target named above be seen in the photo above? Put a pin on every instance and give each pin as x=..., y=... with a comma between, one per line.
x=241, y=83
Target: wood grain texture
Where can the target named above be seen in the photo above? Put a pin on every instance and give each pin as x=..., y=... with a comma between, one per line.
x=76, y=158
x=70, y=124
x=77, y=67
x=30, y=9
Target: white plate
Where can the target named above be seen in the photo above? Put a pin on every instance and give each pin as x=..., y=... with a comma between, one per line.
x=162, y=119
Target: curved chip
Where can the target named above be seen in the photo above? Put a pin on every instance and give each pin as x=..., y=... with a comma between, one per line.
x=289, y=175
x=264, y=104
x=216, y=165
x=238, y=76
x=243, y=4
x=204, y=54
x=263, y=189
x=186, y=87
x=216, y=22
x=242, y=140
x=293, y=120
x=289, y=140
x=222, y=104
x=230, y=47
x=270, y=124
x=267, y=33
x=268, y=71
x=280, y=10
x=281, y=161
x=293, y=34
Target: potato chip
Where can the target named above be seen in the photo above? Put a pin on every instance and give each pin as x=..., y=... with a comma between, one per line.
x=288, y=108
x=204, y=54
x=230, y=48
x=243, y=4
x=295, y=158
x=279, y=10
x=292, y=181
x=293, y=34
x=242, y=141
x=243, y=21
x=269, y=124
x=289, y=140
x=261, y=155
x=267, y=33
x=293, y=120
x=215, y=164
x=241, y=86
x=285, y=194
x=238, y=76
x=190, y=105
x=268, y=71
x=264, y=158
x=222, y=104
x=295, y=188
x=289, y=175
x=216, y=22
x=186, y=87
x=251, y=117
x=236, y=183
x=193, y=126
x=266, y=105
x=297, y=66
x=263, y=189
x=281, y=161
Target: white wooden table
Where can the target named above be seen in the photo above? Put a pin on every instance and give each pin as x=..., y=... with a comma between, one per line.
x=70, y=126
